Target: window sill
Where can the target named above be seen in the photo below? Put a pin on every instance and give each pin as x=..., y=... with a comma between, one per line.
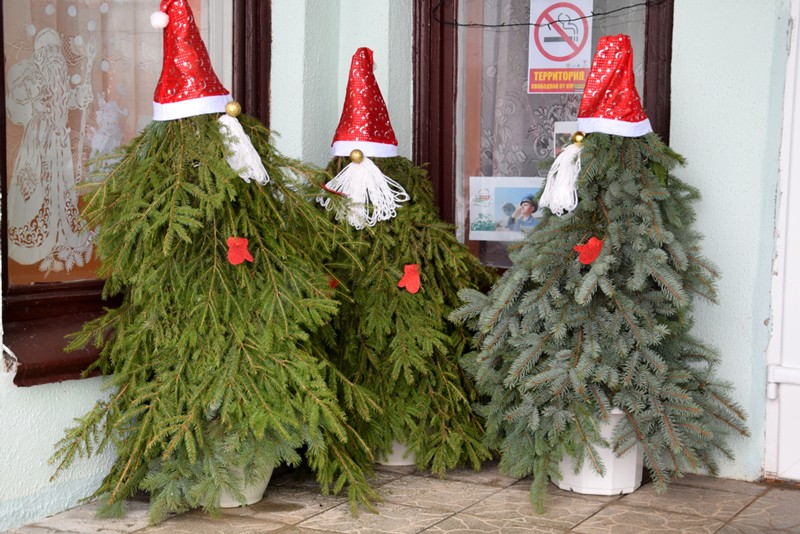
x=39, y=347
x=37, y=320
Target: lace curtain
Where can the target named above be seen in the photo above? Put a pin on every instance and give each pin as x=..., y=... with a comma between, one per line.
x=516, y=128
x=79, y=82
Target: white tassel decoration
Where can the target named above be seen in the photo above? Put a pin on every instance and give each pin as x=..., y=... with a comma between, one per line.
x=373, y=196
x=242, y=155
x=561, y=190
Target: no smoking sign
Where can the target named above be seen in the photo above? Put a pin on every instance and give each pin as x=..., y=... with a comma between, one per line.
x=561, y=31
x=560, y=45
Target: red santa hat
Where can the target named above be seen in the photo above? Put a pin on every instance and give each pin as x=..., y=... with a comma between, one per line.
x=610, y=105
x=188, y=87
x=364, y=124
x=364, y=131
x=610, y=102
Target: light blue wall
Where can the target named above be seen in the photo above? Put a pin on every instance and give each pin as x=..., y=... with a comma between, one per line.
x=32, y=420
x=728, y=73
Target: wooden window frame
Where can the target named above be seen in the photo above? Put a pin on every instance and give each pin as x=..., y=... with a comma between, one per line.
x=37, y=317
x=435, y=83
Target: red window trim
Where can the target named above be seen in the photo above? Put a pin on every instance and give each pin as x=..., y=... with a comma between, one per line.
x=36, y=318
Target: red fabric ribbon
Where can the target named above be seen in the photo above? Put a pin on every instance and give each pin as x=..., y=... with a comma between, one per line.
x=410, y=279
x=590, y=251
x=237, y=250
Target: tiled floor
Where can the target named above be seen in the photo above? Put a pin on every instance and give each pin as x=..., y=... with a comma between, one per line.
x=466, y=502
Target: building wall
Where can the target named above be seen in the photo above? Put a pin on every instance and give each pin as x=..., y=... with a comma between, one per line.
x=728, y=73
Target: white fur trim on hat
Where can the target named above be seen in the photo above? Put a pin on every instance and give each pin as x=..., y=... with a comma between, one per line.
x=369, y=148
x=614, y=127
x=190, y=108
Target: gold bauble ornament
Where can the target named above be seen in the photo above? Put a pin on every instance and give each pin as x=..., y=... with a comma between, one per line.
x=356, y=156
x=233, y=108
x=578, y=137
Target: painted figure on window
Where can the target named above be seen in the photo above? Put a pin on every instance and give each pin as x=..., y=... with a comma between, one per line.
x=43, y=221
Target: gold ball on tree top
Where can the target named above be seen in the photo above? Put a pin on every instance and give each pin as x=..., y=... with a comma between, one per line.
x=233, y=108
x=356, y=156
x=578, y=137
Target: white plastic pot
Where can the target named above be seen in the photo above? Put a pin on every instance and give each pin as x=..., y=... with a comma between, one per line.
x=623, y=475
x=400, y=455
x=252, y=493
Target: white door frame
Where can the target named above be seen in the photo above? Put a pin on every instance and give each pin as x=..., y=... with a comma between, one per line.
x=785, y=225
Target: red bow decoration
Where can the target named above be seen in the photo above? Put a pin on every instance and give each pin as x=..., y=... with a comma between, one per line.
x=410, y=279
x=589, y=252
x=237, y=250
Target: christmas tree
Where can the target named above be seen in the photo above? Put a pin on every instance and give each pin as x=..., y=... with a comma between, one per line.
x=211, y=356
x=596, y=311
x=392, y=335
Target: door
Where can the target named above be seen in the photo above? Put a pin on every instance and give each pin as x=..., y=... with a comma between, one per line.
x=782, y=458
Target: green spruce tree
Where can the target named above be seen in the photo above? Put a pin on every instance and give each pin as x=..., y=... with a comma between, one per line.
x=400, y=345
x=212, y=365
x=559, y=343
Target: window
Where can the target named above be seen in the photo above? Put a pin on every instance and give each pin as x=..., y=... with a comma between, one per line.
x=502, y=131
x=79, y=79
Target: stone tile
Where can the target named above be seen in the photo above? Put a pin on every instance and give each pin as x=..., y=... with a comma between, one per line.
x=778, y=510
x=84, y=519
x=383, y=475
x=616, y=519
x=715, y=504
x=489, y=475
x=722, y=484
x=510, y=507
x=301, y=530
x=466, y=524
x=294, y=478
x=524, y=484
x=552, y=489
x=390, y=519
x=737, y=527
x=400, y=470
x=199, y=523
x=288, y=504
x=444, y=495
x=33, y=529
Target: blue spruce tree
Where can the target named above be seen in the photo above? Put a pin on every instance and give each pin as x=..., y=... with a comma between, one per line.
x=596, y=311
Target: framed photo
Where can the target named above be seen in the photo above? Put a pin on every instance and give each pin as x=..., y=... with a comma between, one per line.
x=562, y=135
x=503, y=208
